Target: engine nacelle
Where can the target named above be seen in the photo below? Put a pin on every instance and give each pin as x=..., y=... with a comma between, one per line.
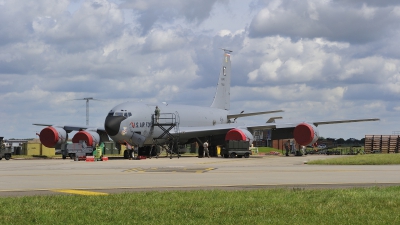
x=91, y=138
x=305, y=134
x=238, y=134
x=52, y=136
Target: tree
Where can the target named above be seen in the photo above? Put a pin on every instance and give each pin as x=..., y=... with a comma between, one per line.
x=340, y=141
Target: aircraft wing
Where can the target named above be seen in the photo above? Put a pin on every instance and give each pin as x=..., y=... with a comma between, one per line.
x=218, y=129
x=223, y=128
x=232, y=116
x=344, y=121
x=209, y=130
x=70, y=128
x=294, y=124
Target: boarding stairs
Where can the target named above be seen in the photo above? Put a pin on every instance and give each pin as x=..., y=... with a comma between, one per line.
x=167, y=141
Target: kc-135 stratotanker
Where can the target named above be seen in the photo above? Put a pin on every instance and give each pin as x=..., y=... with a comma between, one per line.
x=135, y=123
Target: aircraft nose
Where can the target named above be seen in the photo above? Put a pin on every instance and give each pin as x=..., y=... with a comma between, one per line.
x=112, y=124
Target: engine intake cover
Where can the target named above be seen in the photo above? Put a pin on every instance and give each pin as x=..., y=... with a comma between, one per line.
x=305, y=134
x=51, y=136
x=91, y=138
x=238, y=134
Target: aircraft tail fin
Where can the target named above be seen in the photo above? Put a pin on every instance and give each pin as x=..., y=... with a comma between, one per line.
x=222, y=95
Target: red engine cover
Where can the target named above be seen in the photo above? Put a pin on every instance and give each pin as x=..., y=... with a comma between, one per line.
x=49, y=137
x=83, y=136
x=303, y=134
x=235, y=134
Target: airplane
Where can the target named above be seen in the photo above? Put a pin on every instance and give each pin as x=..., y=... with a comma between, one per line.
x=135, y=123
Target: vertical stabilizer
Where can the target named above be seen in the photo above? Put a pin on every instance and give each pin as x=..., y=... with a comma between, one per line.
x=222, y=95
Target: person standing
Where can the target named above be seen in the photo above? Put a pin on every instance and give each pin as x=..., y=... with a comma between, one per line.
x=157, y=113
x=287, y=147
x=206, y=151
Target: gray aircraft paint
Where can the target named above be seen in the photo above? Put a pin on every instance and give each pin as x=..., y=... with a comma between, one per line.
x=222, y=95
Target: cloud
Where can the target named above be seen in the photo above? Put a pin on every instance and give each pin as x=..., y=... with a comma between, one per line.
x=152, y=11
x=343, y=22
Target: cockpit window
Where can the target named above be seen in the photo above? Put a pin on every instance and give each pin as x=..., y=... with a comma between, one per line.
x=125, y=114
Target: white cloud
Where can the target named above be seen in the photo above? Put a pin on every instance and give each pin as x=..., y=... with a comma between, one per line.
x=163, y=40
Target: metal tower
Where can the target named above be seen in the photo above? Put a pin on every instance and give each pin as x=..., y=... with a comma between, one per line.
x=87, y=107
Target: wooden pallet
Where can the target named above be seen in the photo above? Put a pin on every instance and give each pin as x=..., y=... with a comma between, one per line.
x=382, y=143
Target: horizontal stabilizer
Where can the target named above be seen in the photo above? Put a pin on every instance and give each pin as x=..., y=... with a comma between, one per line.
x=232, y=116
x=272, y=119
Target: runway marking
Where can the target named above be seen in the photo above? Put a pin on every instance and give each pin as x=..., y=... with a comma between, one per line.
x=80, y=192
x=170, y=170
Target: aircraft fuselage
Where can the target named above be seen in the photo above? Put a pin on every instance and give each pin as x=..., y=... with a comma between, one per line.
x=132, y=122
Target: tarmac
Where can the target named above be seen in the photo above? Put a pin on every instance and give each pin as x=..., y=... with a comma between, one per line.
x=20, y=177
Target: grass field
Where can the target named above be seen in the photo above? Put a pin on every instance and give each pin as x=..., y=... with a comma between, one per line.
x=268, y=150
x=279, y=206
x=370, y=159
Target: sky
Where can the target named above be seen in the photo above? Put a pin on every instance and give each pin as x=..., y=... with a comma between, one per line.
x=314, y=59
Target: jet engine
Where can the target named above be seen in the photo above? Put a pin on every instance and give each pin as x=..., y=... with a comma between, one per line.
x=239, y=134
x=52, y=136
x=90, y=137
x=305, y=134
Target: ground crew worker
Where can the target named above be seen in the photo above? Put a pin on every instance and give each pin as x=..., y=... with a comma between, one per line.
x=206, y=151
x=157, y=114
x=131, y=154
x=287, y=147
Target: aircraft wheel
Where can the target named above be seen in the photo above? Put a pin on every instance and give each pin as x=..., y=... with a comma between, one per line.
x=64, y=156
x=126, y=154
x=1, y=158
x=232, y=155
x=247, y=155
x=7, y=157
x=72, y=155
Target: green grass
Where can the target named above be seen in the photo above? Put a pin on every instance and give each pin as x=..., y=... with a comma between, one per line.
x=268, y=150
x=272, y=206
x=370, y=159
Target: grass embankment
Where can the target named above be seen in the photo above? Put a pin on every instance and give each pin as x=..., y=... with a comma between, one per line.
x=370, y=159
x=279, y=206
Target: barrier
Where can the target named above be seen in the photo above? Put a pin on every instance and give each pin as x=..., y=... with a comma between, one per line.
x=89, y=158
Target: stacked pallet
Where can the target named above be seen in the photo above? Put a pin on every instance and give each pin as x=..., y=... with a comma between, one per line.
x=382, y=143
